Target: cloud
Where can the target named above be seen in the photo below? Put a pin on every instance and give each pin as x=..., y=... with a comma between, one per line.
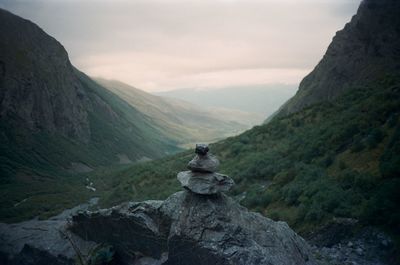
x=158, y=45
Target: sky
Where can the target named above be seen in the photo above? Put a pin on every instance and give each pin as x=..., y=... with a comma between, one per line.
x=160, y=45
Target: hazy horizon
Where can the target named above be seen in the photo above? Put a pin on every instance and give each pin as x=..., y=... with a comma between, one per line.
x=159, y=46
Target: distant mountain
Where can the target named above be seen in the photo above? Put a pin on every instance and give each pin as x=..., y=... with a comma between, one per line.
x=182, y=121
x=262, y=99
x=367, y=49
x=334, y=150
x=54, y=117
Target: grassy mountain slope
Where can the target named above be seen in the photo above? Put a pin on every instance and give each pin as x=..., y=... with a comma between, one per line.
x=182, y=121
x=56, y=122
x=333, y=150
x=333, y=159
x=52, y=115
x=338, y=158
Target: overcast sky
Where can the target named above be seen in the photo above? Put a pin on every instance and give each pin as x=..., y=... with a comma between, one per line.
x=164, y=45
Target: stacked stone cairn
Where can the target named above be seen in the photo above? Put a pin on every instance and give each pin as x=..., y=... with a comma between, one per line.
x=202, y=177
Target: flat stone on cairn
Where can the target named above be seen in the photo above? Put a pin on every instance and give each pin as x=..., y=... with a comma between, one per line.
x=202, y=177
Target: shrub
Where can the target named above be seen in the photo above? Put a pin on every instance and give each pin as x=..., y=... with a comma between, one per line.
x=314, y=213
x=374, y=138
x=358, y=146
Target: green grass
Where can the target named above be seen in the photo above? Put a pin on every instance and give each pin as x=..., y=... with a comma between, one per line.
x=36, y=165
x=337, y=158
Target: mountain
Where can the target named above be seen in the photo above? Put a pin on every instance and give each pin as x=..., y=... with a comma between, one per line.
x=57, y=124
x=261, y=99
x=334, y=157
x=55, y=121
x=52, y=115
x=366, y=50
x=182, y=121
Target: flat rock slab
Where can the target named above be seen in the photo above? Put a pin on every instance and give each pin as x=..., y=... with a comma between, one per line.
x=129, y=226
x=205, y=183
x=204, y=163
x=37, y=242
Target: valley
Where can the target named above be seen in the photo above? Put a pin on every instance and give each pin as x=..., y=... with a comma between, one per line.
x=326, y=162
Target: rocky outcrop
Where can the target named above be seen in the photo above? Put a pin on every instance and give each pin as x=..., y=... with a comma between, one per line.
x=366, y=50
x=135, y=230
x=367, y=246
x=38, y=87
x=216, y=230
x=189, y=228
x=38, y=242
x=186, y=228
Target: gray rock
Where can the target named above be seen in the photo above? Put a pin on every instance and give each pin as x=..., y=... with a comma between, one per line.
x=350, y=244
x=205, y=183
x=217, y=230
x=201, y=149
x=202, y=178
x=42, y=242
x=194, y=229
x=333, y=232
x=132, y=228
x=360, y=251
x=186, y=228
x=204, y=163
x=363, y=248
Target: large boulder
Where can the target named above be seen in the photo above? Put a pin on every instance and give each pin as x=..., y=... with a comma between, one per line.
x=133, y=229
x=189, y=228
x=38, y=242
x=205, y=183
x=204, y=163
x=217, y=230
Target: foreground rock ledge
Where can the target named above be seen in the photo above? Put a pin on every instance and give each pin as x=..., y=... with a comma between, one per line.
x=188, y=228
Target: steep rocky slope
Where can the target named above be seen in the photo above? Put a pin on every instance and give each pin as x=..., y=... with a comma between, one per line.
x=367, y=49
x=35, y=71
x=48, y=108
x=56, y=122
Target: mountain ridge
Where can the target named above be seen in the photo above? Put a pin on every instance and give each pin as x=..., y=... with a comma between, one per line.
x=183, y=121
x=362, y=52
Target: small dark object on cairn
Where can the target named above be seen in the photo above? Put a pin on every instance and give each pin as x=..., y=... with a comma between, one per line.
x=201, y=149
